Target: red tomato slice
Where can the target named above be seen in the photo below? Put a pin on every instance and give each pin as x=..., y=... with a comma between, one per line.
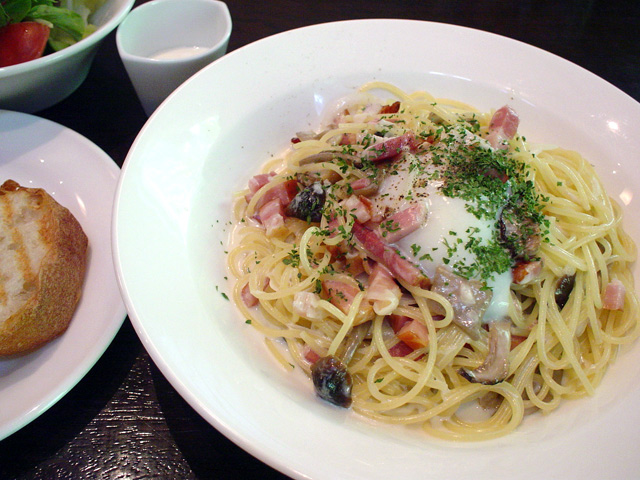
x=21, y=42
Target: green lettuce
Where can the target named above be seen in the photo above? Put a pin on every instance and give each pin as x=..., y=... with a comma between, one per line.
x=68, y=19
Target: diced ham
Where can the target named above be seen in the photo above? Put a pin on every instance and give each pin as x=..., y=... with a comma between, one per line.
x=348, y=139
x=516, y=340
x=400, y=267
x=340, y=294
x=257, y=182
x=383, y=291
x=400, y=349
x=503, y=127
x=311, y=356
x=334, y=229
x=393, y=108
x=360, y=183
x=284, y=191
x=360, y=209
x=305, y=304
x=271, y=215
x=613, y=298
x=398, y=321
x=247, y=297
x=402, y=223
x=364, y=186
x=414, y=334
x=388, y=148
x=525, y=272
x=354, y=262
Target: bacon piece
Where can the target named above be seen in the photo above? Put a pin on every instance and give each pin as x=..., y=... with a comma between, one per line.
x=503, y=127
x=358, y=208
x=257, y=182
x=348, y=139
x=400, y=349
x=272, y=216
x=516, y=340
x=525, y=272
x=284, y=191
x=364, y=186
x=310, y=356
x=411, y=331
x=613, y=298
x=388, y=148
x=398, y=321
x=414, y=334
x=393, y=108
x=340, y=294
x=383, y=291
x=305, y=304
x=354, y=262
x=247, y=297
x=389, y=257
x=402, y=223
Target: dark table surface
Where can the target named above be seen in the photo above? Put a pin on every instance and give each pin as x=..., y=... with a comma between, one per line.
x=124, y=420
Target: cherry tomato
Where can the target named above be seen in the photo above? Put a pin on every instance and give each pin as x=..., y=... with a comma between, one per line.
x=21, y=42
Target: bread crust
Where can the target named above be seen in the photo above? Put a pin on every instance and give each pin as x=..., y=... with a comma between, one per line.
x=49, y=308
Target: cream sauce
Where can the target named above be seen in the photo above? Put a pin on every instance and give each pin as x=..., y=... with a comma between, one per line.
x=177, y=53
x=448, y=228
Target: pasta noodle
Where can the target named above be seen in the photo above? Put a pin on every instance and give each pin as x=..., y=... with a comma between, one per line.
x=355, y=278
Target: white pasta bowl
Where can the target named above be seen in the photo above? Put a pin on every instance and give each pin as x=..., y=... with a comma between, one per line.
x=172, y=219
x=41, y=83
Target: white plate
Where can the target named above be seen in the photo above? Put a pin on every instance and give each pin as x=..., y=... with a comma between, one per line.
x=80, y=176
x=171, y=221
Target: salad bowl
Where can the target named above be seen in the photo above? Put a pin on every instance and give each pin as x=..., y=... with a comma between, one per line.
x=41, y=83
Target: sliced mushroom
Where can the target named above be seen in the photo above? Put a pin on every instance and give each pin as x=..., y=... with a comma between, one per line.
x=331, y=379
x=330, y=156
x=520, y=236
x=355, y=338
x=496, y=365
x=564, y=287
x=308, y=204
x=468, y=298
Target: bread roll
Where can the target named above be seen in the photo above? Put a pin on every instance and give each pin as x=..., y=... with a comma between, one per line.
x=43, y=258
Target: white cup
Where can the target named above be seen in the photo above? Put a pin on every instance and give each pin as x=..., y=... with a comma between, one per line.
x=164, y=42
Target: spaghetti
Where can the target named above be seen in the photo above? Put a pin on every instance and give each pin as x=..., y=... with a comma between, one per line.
x=417, y=256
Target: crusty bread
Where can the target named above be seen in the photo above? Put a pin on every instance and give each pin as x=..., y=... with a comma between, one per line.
x=43, y=257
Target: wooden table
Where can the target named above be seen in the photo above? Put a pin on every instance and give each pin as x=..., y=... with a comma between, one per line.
x=124, y=420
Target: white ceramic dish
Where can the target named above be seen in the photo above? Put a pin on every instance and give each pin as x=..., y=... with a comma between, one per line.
x=207, y=139
x=41, y=83
x=79, y=175
x=164, y=42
